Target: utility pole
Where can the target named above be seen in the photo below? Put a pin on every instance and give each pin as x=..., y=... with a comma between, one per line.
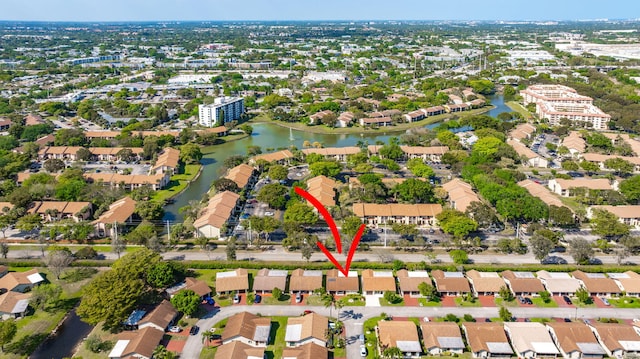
x=168, y=233
x=117, y=245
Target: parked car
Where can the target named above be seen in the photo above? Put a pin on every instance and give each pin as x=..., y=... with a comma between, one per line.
x=298, y=297
x=363, y=351
x=194, y=330
x=521, y=300
x=605, y=301
x=268, y=213
x=236, y=299
x=567, y=299
x=528, y=300
x=175, y=329
x=567, y=320
x=257, y=298
x=209, y=300
x=307, y=312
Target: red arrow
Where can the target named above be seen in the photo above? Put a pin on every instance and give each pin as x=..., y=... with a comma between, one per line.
x=334, y=231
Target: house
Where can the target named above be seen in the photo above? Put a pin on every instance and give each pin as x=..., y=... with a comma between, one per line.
x=567, y=188
x=427, y=154
x=529, y=157
x=5, y=124
x=629, y=215
x=121, y=212
x=129, y=182
x=558, y=283
x=457, y=107
x=200, y=287
x=309, y=328
x=574, y=143
x=267, y=279
x=435, y=110
x=377, y=282
x=20, y=282
x=600, y=160
x=485, y=283
x=167, y=162
x=345, y=119
x=597, y=284
x=376, y=121
x=139, y=344
x=539, y=191
x=242, y=175
x=522, y=131
x=374, y=214
x=14, y=304
x=618, y=340
x=232, y=281
x=161, y=317
x=239, y=350
x=318, y=116
x=461, y=194
x=531, y=340
x=214, y=218
x=416, y=115
x=32, y=120
x=247, y=328
x=323, y=189
x=522, y=283
x=338, y=284
x=628, y=281
x=487, y=340
x=575, y=340
x=339, y=154
x=442, y=337
x=399, y=334
x=306, y=351
x=450, y=283
x=305, y=281
x=280, y=157
x=409, y=281
x=51, y=211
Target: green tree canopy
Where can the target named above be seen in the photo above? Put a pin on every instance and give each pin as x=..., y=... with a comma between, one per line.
x=186, y=301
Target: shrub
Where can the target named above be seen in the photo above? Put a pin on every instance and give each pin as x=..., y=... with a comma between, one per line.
x=392, y=297
x=86, y=253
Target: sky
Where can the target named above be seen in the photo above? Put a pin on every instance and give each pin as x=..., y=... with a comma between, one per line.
x=230, y=10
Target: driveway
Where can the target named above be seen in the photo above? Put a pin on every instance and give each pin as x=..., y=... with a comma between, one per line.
x=372, y=300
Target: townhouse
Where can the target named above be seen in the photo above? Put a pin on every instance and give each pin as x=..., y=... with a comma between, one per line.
x=160, y=318
x=52, y=211
x=427, y=154
x=530, y=158
x=136, y=344
x=323, y=189
x=600, y=160
x=522, y=131
x=376, y=121
x=338, y=284
x=243, y=175
x=539, y=191
x=120, y=212
x=305, y=281
x=409, y=281
x=239, y=350
x=70, y=153
x=129, y=182
x=167, y=162
x=629, y=215
x=200, y=287
x=574, y=143
x=558, y=283
x=318, y=116
x=568, y=188
x=339, y=154
x=618, y=340
x=280, y=157
x=374, y=214
x=522, y=283
x=268, y=279
x=575, y=340
x=531, y=340
x=214, y=218
x=597, y=284
x=485, y=283
x=460, y=194
x=309, y=328
x=628, y=281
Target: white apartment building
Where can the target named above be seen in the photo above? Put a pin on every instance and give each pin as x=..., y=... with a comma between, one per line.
x=554, y=102
x=221, y=111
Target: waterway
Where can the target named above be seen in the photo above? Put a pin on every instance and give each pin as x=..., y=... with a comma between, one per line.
x=272, y=136
x=64, y=344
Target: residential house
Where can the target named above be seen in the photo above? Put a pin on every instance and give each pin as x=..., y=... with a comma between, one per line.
x=309, y=328
x=129, y=182
x=377, y=282
x=450, y=283
x=214, y=218
x=461, y=194
x=167, y=162
x=574, y=143
x=416, y=115
x=247, y=328
x=5, y=207
x=435, y=110
x=323, y=189
x=567, y=188
x=138, y=344
x=345, y=119
x=575, y=340
x=451, y=108
x=339, y=154
x=487, y=340
x=629, y=215
x=628, y=281
x=522, y=131
x=318, y=116
x=14, y=304
x=374, y=214
x=338, y=284
x=600, y=160
x=539, y=191
x=427, y=154
x=376, y=121
x=485, y=283
x=200, y=287
x=305, y=281
x=306, y=351
x=268, y=279
x=232, y=281
x=409, y=281
x=522, y=283
x=20, y=282
x=5, y=124
x=243, y=175
x=597, y=284
x=52, y=211
x=531, y=340
x=618, y=340
x=280, y=157
x=239, y=350
x=161, y=317
x=558, y=283
x=442, y=337
x=530, y=158
x=120, y=212
x=33, y=119
x=399, y=334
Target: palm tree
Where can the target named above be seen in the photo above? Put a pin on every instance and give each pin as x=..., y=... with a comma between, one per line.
x=160, y=352
x=207, y=334
x=329, y=300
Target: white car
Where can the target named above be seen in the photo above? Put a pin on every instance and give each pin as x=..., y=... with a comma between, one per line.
x=363, y=351
x=175, y=329
x=268, y=214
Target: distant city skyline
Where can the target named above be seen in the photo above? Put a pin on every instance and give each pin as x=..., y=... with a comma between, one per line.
x=268, y=10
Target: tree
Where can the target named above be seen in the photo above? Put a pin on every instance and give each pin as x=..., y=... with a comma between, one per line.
x=414, y=191
x=150, y=210
x=459, y=256
x=569, y=165
x=4, y=249
x=300, y=213
x=8, y=330
x=70, y=189
x=561, y=216
x=325, y=168
x=583, y=295
x=580, y=250
x=225, y=184
x=190, y=153
x=126, y=155
x=606, y=224
x=506, y=294
x=392, y=297
x=329, y=301
x=545, y=296
x=86, y=253
x=278, y=172
x=619, y=165
x=307, y=252
x=419, y=168
x=428, y=291
x=391, y=151
x=392, y=353
x=276, y=293
x=231, y=249
x=505, y=314
x=53, y=165
x=84, y=154
x=541, y=246
x=160, y=352
x=630, y=188
x=186, y=301
x=161, y=275
x=482, y=213
x=456, y=223
x=29, y=222
x=350, y=226
x=274, y=195
x=58, y=259
x=44, y=295
x=590, y=167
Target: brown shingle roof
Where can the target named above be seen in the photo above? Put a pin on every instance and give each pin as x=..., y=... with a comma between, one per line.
x=307, y=351
x=378, y=281
x=486, y=281
x=244, y=325
x=162, y=315
x=119, y=211
x=240, y=174
x=275, y=156
x=141, y=343
x=233, y=280
x=431, y=331
x=218, y=210
x=336, y=282
x=597, y=282
x=570, y=334
x=322, y=188
x=526, y=283
x=396, y=210
x=392, y=332
x=200, y=287
x=312, y=325
x=629, y=280
x=409, y=281
x=267, y=279
x=9, y=302
x=480, y=334
x=449, y=282
x=238, y=350
x=305, y=281
x=611, y=334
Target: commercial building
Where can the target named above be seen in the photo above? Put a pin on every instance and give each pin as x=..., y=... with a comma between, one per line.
x=221, y=111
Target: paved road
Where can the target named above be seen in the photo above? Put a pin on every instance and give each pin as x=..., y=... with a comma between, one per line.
x=355, y=316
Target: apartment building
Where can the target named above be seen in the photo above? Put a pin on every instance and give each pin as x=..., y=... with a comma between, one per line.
x=221, y=111
x=374, y=214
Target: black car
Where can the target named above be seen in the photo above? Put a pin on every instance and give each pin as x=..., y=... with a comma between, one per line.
x=567, y=320
x=528, y=300
x=194, y=330
x=567, y=299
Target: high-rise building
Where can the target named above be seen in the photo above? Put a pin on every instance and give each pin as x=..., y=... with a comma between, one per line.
x=221, y=111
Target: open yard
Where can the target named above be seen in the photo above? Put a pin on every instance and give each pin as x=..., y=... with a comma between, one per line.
x=177, y=184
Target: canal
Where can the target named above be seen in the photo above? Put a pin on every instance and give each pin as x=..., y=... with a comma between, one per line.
x=273, y=136
x=64, y=344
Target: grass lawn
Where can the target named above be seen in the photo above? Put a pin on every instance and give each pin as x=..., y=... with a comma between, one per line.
x=285, y=299
x=580, y=304
x=128, y=249
x=177, y=183
x=339, y=352
x=313, y=300
x=500, y=302
x=538, y=302
x=276, y=341
x=519, y=108
x=208, y=353
x=370, y=336
x=625, y=302
x=385, y=303
x=85, y=353
x=353, y=300
x=425, y=303
x=461, y=303
x=540, y=320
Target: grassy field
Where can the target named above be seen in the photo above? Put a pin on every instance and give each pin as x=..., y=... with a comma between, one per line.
x=178, y=183
x=353, y=300
x=285, y=299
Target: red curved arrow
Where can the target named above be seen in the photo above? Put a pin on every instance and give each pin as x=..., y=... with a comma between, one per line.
x=334, y=231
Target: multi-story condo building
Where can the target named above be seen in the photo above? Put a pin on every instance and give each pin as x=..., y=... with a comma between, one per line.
x=221, y=111
x=554, y=102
